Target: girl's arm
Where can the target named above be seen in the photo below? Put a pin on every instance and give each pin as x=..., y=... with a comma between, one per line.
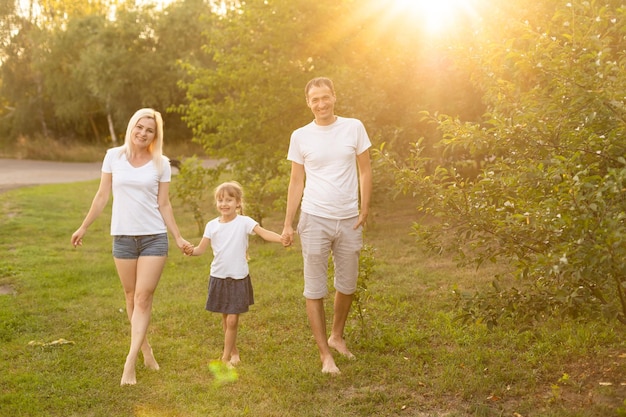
x=198, y=250
x=267, y=234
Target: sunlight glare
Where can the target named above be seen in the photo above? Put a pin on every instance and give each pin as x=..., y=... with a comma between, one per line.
x=436, y=15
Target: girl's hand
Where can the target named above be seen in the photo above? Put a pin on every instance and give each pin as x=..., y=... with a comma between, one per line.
x=188, y=249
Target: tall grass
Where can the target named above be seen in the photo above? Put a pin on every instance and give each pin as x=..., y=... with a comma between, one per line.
x=412, y=360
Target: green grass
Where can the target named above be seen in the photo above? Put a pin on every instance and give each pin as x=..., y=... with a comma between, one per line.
x=413, y=359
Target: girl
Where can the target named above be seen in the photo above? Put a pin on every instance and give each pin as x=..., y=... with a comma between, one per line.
x=230, y=288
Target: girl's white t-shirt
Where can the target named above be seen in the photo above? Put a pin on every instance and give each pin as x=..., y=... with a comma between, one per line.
x=328, y=154
x=135, y=210
x=229, y=242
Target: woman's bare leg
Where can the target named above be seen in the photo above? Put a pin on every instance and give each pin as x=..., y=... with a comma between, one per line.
x=139, y=279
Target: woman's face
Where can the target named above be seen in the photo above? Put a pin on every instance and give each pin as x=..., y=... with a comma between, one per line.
x=144, y=132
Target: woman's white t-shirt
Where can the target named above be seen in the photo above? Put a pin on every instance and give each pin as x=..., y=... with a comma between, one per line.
x=328, y=154
x=135, y=210
x=229, y=242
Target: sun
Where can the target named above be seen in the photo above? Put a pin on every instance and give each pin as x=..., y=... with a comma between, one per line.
x=435, y=16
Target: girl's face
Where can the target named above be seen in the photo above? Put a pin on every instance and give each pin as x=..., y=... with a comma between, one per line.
x=227, y=205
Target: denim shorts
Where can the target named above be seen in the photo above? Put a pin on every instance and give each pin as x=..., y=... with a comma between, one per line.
x=132, y=247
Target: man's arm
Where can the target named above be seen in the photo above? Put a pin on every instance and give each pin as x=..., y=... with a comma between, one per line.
x=365, y=186
x=294, y=196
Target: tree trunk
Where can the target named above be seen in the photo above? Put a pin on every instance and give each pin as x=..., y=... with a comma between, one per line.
x=111, y=129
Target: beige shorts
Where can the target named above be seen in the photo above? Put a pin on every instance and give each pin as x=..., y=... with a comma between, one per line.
x=319, y=238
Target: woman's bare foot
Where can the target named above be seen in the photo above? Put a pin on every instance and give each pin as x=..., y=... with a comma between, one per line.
x=340, y=346
x=149, y=361
x=129, y=377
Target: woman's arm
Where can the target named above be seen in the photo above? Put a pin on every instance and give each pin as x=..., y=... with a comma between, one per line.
x=165, y=207
x=98, y=203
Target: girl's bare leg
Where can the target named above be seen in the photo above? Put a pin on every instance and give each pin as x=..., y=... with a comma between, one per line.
x=139, y=279
x=230, y=323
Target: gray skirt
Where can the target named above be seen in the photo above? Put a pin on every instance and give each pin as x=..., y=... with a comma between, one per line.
x=230, y=296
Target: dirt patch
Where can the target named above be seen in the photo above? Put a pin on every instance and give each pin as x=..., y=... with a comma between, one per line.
x=7, y=289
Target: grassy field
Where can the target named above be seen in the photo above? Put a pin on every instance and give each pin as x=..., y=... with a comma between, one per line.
x=413, y=359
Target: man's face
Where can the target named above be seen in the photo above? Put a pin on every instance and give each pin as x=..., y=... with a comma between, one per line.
x=321, y=101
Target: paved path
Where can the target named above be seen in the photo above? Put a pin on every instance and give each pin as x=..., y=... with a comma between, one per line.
x=16, y=173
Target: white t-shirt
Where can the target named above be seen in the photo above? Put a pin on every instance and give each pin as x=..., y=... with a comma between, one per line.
x=229, y=242
x=135, y=208
x=328, y=154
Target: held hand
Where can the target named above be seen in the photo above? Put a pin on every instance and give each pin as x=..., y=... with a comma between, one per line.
x=182, y=244
x=286, y=237
x=188, y=249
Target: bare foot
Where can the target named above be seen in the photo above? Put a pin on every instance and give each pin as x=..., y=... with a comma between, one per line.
x=234, y=360
x=340, y=346
x=149, y=361
x=329, y=367
x=129, y=377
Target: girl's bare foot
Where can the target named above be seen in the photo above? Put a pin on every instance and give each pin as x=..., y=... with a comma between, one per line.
x=234, y=359
x=340, y=346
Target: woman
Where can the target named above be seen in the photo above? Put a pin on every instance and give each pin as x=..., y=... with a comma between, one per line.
x=139, y=176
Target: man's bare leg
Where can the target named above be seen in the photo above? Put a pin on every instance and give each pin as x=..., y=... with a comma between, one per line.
x=317, y=321
x=342, y=306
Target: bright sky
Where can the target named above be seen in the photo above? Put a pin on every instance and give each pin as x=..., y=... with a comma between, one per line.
x=438, y=15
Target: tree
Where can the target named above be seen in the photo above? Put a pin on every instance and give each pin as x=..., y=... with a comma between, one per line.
x=540, y=180
x=243, y=108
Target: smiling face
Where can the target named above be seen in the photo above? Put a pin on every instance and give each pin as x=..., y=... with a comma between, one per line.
x=227, y=205
x=321, y=100
x=143, y=133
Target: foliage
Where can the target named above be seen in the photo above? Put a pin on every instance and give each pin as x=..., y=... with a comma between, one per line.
x=80, y=69
x=540, y=180
x=192, y=183
x=367, y=271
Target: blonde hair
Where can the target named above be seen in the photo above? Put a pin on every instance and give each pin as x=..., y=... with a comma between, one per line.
x=232, y=189
x=156, y=147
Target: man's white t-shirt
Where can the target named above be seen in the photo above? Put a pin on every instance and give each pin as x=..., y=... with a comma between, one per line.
x=229, y=242
x=135, y=210
x=328, y=154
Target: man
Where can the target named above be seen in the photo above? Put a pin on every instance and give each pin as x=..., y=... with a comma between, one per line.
x=327, y=152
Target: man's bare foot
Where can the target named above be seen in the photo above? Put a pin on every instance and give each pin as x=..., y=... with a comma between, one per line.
x=129, y=377
x=149, y=361
x=329, y=367
x=340, y=346
x=234, y=360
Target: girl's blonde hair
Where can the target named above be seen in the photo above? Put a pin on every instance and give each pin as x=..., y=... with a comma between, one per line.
x=156, y=147
x=232, y=189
